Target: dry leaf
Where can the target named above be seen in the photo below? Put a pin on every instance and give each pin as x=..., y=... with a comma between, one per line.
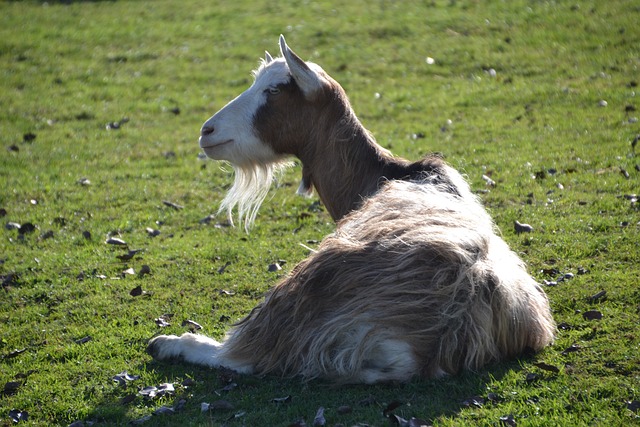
x=572, y=349
x=319, y=419
x=172, y=205
x=192, y=325
x=164, y=410
x=597, y=297
x=162, y=322
x=285, y=399
x=274, y=267
x=221, y=405
x=522, y=228
x=17, y=415
x=546, y=367
x=115, y=241
x=11, y=388
x=391, y=407
x=84, y=340
x=144, y=269
x=129, y=255
x=152, y=232
x=508, y=420
x=592, y=315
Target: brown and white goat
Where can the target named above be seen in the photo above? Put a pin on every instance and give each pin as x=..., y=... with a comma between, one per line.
x=413, y=282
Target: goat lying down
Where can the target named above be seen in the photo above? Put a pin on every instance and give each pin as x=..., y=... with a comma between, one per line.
x=413, y=282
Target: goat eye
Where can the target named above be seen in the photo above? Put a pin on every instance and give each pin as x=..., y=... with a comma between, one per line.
x=273, y=90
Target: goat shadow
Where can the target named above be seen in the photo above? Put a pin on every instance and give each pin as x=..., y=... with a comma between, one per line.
x=248, y=400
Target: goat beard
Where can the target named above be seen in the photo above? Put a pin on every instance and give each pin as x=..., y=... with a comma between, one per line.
x=250, y=187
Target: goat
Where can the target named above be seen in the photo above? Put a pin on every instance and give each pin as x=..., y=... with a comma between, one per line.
x=413, y=282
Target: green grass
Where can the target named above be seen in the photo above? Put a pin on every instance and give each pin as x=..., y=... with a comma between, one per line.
x=69, y=69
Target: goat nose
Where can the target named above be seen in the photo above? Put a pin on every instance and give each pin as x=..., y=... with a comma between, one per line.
x=206, y=130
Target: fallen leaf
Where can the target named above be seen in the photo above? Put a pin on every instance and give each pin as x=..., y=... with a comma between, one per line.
x=522, y=228
x=494, y=397
x=508, y=420
x=565, y=326
x=12, y=226
x=597, y=297
x=476, y=401
x=84, y=340
x=164, y=410
x=193, y=326
x=17, y=415
x=11, y=388
x=26, y=228
x=224, y=267
x=624, y=173
x=285, y=399
x=162, y=322
x=592, y=315
x=129, y=255
x=274, y=267
x=221, y=405
x=391, y=407
x=47, y=235
x=172, y=205
x=179, y=405
x=531, y=377
x=319, y=419
x=144, y=269
x=123, y=377
x=115, y=241
x=237, y=415
x=207, y=219
x=490, y=182
x=633, y=405
x=127, y=399
x=152, y=232
x=572, y=349
x=416, y=422
x=188, y=382
x=14, y=353
x=161, y=390
x=546, y=367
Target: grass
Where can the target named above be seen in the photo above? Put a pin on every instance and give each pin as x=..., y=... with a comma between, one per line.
x=535, y=124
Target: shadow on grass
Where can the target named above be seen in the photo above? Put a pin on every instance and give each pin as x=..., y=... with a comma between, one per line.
x=248, y=400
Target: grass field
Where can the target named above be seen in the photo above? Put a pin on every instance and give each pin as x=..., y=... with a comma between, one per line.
x=101, y=104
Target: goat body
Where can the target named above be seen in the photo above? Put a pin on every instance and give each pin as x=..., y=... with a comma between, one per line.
x=413, y=282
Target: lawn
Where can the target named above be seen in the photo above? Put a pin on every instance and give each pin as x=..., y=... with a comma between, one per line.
x=102, y=101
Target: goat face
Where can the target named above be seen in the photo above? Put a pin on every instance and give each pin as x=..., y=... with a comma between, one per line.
x=250, y=128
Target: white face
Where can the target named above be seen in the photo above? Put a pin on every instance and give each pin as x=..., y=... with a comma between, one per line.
x=230, y=135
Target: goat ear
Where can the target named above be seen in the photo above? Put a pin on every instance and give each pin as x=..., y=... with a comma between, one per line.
x=306, y=78
x=267, y=57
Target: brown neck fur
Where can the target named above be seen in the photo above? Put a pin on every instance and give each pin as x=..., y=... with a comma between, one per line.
x=340, y=158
